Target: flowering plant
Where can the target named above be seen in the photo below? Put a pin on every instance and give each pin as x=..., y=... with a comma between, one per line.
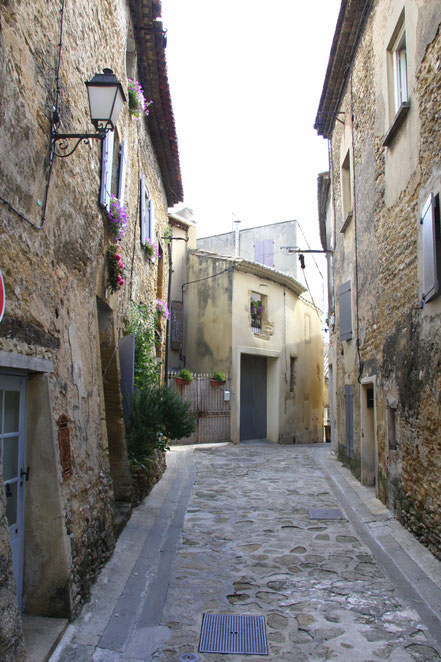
x=138, y=106
x=162, y=311
x=150, y=249
x=118, y=217
x=256, y=308
x=115, y=267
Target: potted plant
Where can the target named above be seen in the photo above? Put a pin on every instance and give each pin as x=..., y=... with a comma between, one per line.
x=184, y=377
x=217, y=379
x=150, y=249
x=138, y=106
x=115, y=268
x=118, y=218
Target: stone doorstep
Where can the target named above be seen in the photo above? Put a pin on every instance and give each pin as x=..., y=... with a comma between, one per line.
x=41, y=636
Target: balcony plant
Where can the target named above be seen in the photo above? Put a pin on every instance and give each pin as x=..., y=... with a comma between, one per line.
x=150, y=249
x=118, y=218
x=138, y=106
x=217, y=379
x=115, y=268
x=184, y=377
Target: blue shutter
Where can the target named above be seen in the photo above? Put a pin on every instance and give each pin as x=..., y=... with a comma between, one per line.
x=431, y=248
x=151, y=219
x=145, y=208
x=345, y=308
x=349, y=419
x=268, y=252
x=122, y=171
x=106, y=169
x=259, y=251
x=126, y=347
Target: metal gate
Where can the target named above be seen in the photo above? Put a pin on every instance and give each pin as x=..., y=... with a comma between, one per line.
x=209, y=404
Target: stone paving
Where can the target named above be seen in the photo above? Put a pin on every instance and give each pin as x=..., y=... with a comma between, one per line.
x=250, y=547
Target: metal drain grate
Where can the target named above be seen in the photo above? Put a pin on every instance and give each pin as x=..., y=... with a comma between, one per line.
x=326, y=513
x=244, y=635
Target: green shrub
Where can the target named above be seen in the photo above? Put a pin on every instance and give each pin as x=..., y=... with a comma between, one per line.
x=185, y=374
x=218, y=377
x=157, y=412
x=142, y=322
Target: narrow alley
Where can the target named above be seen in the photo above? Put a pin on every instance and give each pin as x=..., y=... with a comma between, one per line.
x=280, y=532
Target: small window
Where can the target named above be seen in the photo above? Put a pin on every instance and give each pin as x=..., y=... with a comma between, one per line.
x=346, y=190
x=257, y=309
x=292, y=374
x=397, y=57
x=349, y=419
x=345, y=308
x=391, y=428
x=431, y=241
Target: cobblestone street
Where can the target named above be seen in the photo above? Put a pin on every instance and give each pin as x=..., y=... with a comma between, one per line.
x=230, y=530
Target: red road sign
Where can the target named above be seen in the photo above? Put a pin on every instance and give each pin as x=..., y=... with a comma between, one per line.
x=2, y=296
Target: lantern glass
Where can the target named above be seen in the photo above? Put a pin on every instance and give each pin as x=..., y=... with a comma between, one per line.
x=106, y=99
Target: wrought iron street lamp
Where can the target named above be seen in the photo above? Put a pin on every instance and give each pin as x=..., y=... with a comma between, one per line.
x=106, y=99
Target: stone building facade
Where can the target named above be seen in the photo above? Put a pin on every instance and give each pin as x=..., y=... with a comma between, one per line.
x=252, y=323
x=64, y=460
x=380, y=217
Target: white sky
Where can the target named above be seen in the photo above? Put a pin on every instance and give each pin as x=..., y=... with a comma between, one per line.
x=246, y=78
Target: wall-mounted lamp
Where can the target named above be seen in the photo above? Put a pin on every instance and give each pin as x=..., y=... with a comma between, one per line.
x=106, y=99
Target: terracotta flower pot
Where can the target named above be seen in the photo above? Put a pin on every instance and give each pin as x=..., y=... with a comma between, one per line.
x=182, y=382
x=215, y=382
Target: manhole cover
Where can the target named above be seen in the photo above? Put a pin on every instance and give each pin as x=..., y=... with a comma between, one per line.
x=326, y=513
x=243, y=635
x=189, y=657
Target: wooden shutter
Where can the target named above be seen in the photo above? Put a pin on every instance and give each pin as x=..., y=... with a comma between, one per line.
x=345, y=308
x=106, y=169
x=431, y=248
x=122, y=171
x=126, y=347
x=145, y=212
x=176, y=325
x=151, y=220
x=268, y=252
x=349, y=419
x=258, y=251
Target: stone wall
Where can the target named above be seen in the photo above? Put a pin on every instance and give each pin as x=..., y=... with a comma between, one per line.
x=54, y=270
x=396, y=341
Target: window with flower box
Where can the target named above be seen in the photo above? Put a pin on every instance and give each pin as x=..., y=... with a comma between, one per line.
x=257, y=308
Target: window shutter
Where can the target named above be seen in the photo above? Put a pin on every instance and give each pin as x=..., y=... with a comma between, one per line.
x=122, y=171
x=126, y=347
x=431, y=248
x=268, y=252
x=345, y=307
x=259, y=252
x=106, y=170
x=145, y=207
x=151, y=220
x=349, y=419
x=177, y=325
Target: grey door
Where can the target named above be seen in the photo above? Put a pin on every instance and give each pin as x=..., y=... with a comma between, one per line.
x=252, y=397
x=13, y=442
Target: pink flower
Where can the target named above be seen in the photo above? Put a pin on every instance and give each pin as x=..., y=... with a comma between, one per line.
x=118, y=256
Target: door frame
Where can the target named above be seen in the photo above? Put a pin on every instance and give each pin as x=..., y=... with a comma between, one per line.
x=273, y=401
x=368, y=445
x=12, y=382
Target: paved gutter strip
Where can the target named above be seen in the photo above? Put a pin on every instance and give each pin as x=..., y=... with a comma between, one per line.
x=142, y=585
x=423, y=595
